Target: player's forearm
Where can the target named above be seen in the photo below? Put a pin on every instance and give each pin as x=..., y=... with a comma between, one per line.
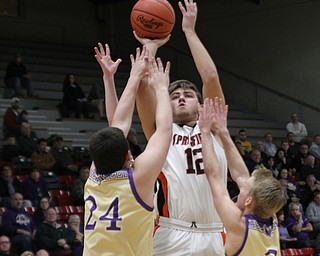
x=123, y=114
x=210, y=161
x=237, y=167
x=111, y=99
x=146, y=107
x=163, y=117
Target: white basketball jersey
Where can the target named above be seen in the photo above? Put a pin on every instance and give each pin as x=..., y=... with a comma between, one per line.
x=184, y=191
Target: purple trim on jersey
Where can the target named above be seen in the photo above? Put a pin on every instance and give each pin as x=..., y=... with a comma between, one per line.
x=135, y=193
x=245, y=236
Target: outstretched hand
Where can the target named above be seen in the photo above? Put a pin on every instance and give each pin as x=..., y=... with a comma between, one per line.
x=108, y=66
x=158, y=76
x=206, y=116
x=220, y=114
x=139, y=63
x=189, y=13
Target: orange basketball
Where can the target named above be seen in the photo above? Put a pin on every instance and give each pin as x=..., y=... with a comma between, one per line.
x=152, y=18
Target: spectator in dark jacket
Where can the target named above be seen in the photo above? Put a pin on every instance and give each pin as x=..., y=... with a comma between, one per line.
x=10, y=119
x=35, y=187
x=18, y=224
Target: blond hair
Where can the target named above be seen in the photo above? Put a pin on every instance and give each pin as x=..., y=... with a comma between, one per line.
x=267, y=194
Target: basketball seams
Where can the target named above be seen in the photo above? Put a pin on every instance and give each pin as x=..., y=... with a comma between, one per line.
x=152, y=14
x=150, y=31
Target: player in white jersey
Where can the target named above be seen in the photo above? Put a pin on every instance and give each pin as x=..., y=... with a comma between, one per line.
x=188, y=223
x=119, y=215
x=250, y=224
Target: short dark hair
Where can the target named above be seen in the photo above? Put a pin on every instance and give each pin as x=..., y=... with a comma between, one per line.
x=184, y=84
x=41, y=140
x=108, y=149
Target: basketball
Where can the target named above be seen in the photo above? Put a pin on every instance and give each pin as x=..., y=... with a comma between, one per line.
x=152, y=18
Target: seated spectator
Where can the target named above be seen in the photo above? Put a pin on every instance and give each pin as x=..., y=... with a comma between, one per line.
x=315, y=148
x=38, y=215
x=10, y=119
x=10, y=149
x=286, y=241
x=298, y=225
x=64, y=161
x=245, y=144
x=269, y=147
x=35, y=187
x=133, y=143
x=245, y=155
x=297, y=128
x=8, y=186
x=5, y=246
x=52, y=237
x=77, y=192
x=42, y=252
x=18, y=225
x=280, y=160
x=259, y=145
x=42, y=158
x=27, y=141
x=73, y=99
x=300, y=158
x=270, y=164
x=75, y=225
x=27, y=253
x=17, y=77
x=293, y=146
x=287, y=153
x=23, y=117
x=309, y=168
x=254, y=162
x=96, y=98
x=313, y=213
x=312, y=186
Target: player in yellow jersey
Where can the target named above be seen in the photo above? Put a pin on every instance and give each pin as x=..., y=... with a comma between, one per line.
x=118, y=196
x=250, y=224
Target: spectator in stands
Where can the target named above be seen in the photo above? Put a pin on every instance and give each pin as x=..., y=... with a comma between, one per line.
x=42, y=158
x=270, y=164
x=287, y=152
x=62, y=154
x=133, y=143
x=245, y=144
x=286, y=241
x=269, y=147
x=296, y=127
x=74, y=98
x=254, y=162
x=52, y=237
x=10, y=149
x=298, y=225
x=38, y=216
x=309, y=168
x=11, y=119
x=75, y=225
x=245, y=155
x=27, y=141
x=77, y=192
x=300, y=158
x=312, y=186
x=260, y=145
x=8, y=185
x=313, y=213
x=315, y=148
x=5, y=246
x=18, y=225
x=35, y=187
x=294, y=147
x=96, y=98
x=42, y=252
x=280, y=159
x=27, y=253
x=23, y=117
x=17, y=77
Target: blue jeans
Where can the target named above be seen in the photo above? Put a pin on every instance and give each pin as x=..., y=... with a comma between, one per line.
x=16, y=83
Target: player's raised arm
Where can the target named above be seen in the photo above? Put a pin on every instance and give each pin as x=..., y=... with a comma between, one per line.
x=227, y=210
x=145, y=96
x=149, y=163
x=109, y=68
x=204, y=63
x=123, y=114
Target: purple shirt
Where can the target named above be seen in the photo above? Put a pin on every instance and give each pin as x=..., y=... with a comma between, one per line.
x=291, y=221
